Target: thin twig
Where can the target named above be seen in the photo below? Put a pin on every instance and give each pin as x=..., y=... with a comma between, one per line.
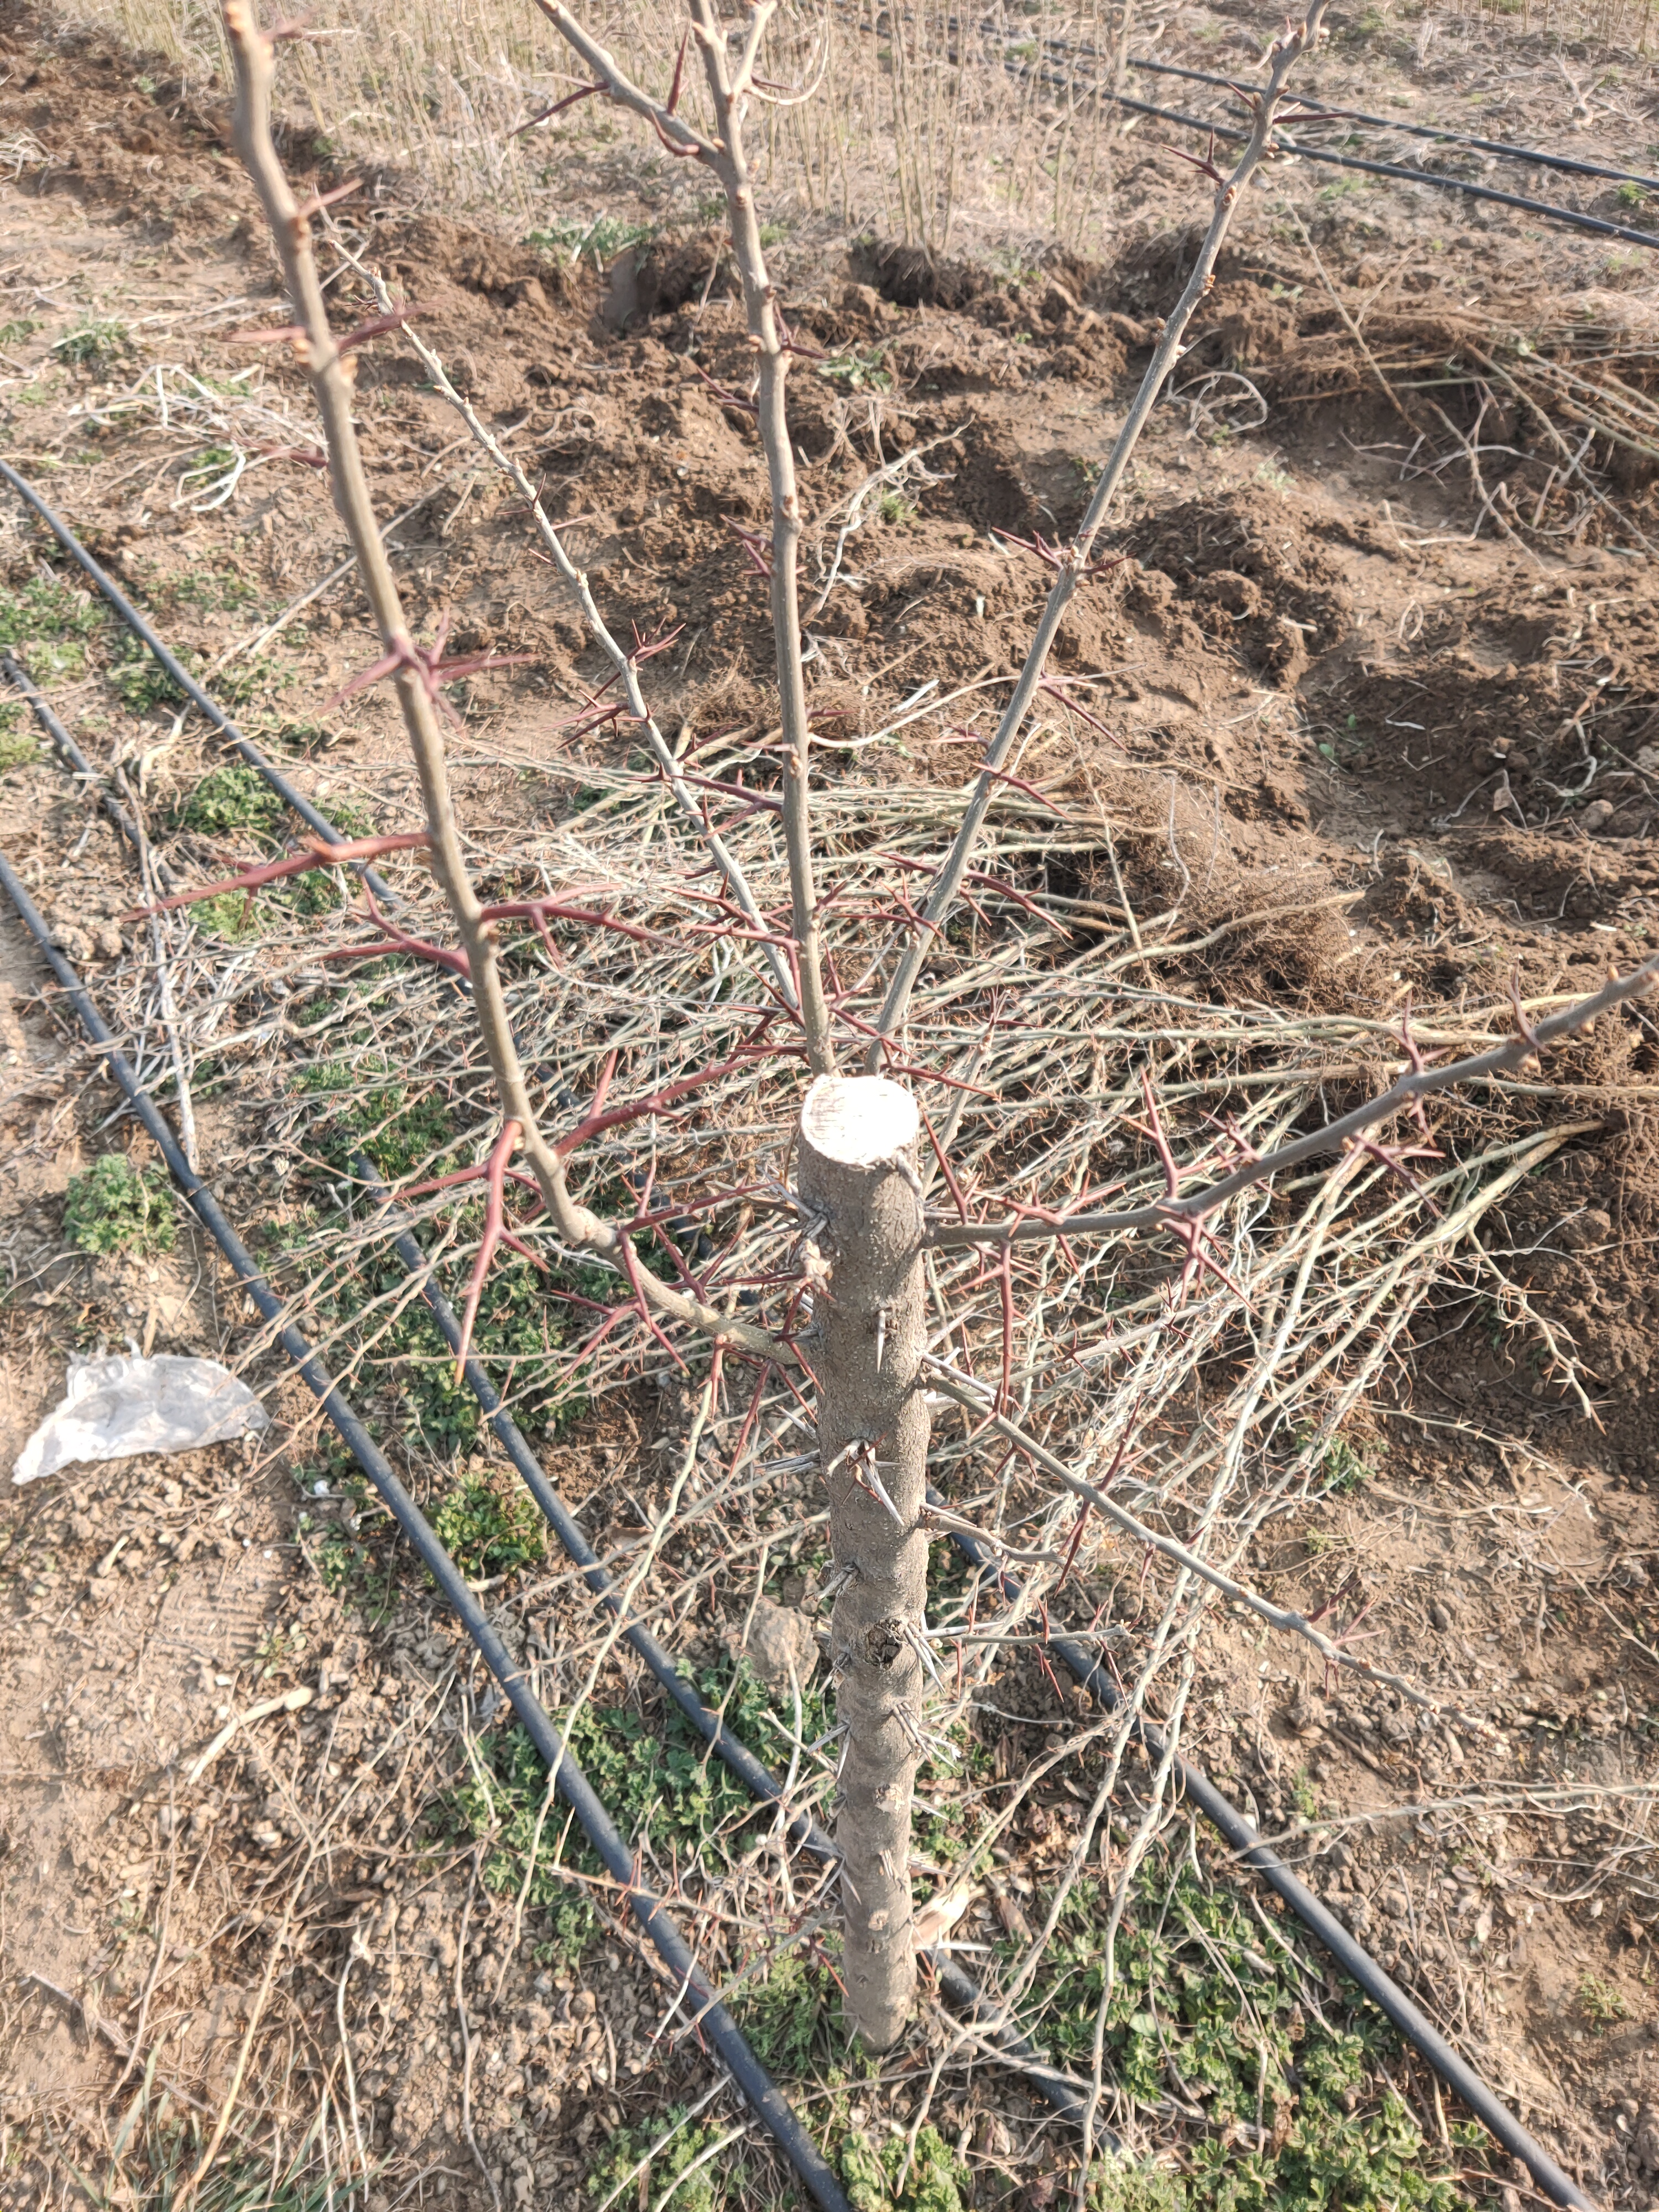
x=1072, y=566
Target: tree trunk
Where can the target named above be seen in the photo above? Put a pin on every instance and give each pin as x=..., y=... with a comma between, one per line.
x=857, y=1144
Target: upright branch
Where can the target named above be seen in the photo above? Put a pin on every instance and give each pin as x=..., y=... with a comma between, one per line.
x=330, y=370
x=731, y=85
x=1073, y=567
x=625, y=663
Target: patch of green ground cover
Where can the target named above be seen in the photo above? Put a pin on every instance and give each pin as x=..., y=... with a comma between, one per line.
x=46, y=623
x=1213, y=2000
x=114, y=1207
x=489, y=1525
x=659, y=1782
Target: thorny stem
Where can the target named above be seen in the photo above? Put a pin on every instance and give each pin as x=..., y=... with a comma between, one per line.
x=1414, y=1082
x=624, y=663
x=730, y=87
x=254, y=57
x=1074, y=564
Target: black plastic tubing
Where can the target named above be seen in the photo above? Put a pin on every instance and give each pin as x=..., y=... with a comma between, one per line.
x=1598, y=225
x=83, y=767
x=716, y=2023
x=1355, y=1961
x=1529, y=156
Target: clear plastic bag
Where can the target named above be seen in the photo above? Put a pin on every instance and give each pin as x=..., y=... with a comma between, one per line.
x=121, y=1406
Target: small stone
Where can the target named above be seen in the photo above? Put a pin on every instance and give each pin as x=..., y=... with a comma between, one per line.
x=991, y=2137
x=1597, y=815
x=1395, y=1904
x=1440, y=1616
x=781, y=1638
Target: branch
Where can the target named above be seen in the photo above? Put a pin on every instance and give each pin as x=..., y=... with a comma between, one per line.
x=313, y=853
x=1074, y=564
x=728, y=88
x=977, y=1398
x=254, y=59
x=623, y=663
x=1416, y=1081
x=677, y=135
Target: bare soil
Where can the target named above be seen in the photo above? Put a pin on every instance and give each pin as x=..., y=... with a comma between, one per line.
x=1320, y=678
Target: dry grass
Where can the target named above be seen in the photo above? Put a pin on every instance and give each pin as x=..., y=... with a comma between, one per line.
x=955, y=149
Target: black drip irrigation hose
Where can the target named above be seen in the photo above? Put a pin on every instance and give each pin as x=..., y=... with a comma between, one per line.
x=765, y=2098
x=1547, y=208
x=769, y=2104
x=1322, y=1924
x=1529, y=156
x=84, y=770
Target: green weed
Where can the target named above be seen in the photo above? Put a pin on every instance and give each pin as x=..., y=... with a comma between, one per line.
x=713, y=2182
x=361, y=1107
x=1210, y=1996
x=658, y=1779
x=1120, y=2187
x=935, y=2183
x=249, y=683
x=115, y=1208
x=232, y=917
x=345, y=1563
x=600, y=240
x=139, y=680
x=93, y=344
x=859, y=368
x=1343, y=1468
x=279, y=1652
x=490, y=1526
x=217, y=591
x=46, y=624
x=1601, y=2004
x=895, y=507
x=22, y=327
x=783, y=2012
x=19, y=741
x=1630, y=194
x=230, y=802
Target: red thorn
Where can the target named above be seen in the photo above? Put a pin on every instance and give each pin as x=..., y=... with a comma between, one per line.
x=493, y=1229
x=673, y=99
x=585, y=92
x=316, y=855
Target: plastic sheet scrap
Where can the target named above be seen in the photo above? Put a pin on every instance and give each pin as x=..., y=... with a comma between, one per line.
x=121, y=1406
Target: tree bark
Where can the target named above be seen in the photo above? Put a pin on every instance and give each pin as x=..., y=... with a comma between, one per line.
x=858, y=1171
